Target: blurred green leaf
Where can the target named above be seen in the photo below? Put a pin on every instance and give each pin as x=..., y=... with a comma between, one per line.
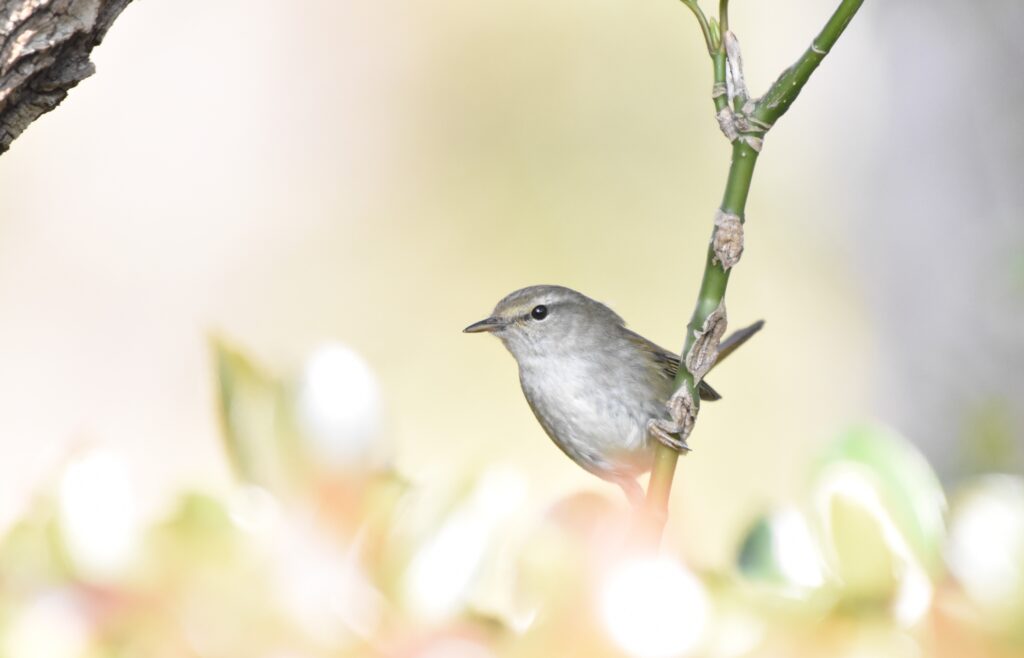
x=31, y=554
x=881, y=519
x=757, y=557
x=864, y=558
x=255, y=421
x=907, y=486
x=199, y=531
x=780, y=550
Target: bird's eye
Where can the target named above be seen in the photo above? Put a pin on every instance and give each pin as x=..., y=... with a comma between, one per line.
x=539, y=312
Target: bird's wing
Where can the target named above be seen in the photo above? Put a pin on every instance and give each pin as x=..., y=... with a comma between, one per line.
x=668, y=362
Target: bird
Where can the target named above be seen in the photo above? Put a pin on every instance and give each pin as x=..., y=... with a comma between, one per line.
x=592, y=384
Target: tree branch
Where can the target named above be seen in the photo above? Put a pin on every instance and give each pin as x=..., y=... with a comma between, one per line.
x=44, y=52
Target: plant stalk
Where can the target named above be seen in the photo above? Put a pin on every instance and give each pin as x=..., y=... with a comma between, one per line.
x=712, y=291
x=766, y=111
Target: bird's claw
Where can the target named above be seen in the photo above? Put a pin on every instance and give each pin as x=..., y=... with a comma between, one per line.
x=673, y=433
x=666, y=432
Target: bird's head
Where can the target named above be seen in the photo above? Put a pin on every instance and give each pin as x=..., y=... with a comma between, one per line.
x=544, y=321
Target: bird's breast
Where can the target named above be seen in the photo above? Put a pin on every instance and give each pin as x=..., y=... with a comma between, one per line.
x=596, y=410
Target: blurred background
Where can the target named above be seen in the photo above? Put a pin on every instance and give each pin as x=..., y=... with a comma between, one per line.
x=235, y=267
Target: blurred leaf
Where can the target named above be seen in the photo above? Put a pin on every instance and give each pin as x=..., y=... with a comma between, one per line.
x=31, y=555
x=864, y=559
x=198, y=532
x=255, y=422
x=779, y=549
x=908, y=488
x=757, y=558
x=783, y=571
x=880, y=510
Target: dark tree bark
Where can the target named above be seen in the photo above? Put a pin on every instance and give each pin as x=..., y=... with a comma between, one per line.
x=44, y=52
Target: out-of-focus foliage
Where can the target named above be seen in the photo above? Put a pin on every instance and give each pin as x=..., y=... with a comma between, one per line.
x=385, y=171
x=350, y=560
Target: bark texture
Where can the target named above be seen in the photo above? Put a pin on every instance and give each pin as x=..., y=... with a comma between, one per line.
x=44, y=52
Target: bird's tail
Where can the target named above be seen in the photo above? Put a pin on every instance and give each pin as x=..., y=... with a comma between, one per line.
x=725, y=348
x=737, y=338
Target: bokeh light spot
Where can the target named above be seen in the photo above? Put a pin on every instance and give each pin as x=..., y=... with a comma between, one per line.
x=986, y=540
x=98, y=518
x=339, y=405
x=654, y=608
x=795, y=550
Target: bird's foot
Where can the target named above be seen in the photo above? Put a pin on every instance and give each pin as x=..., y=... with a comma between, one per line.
x=673, y=433
x=666, y=432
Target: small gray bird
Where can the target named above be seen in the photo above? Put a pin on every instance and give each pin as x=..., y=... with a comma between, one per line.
x=592, y=383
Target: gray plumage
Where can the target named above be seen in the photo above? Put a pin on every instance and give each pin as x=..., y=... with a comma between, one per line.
x=592, y=383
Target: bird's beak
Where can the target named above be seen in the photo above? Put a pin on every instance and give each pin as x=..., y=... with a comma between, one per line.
x=490, y=324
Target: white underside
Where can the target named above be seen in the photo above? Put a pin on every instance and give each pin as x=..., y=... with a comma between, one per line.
x=597, y=417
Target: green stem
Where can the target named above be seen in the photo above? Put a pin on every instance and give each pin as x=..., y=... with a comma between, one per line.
x=785, y=90
x=718, y=67
x=705, y=28
x=712, y=291
x=734, y=202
